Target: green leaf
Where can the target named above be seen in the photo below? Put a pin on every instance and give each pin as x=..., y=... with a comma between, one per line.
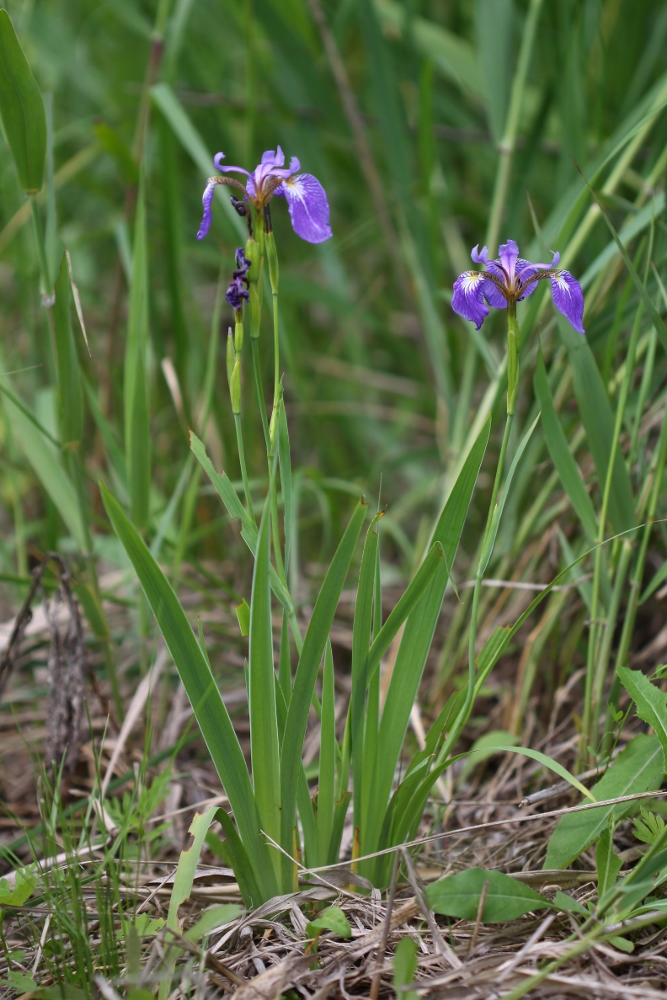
x=67, y=363
x=638, y=768
x=236, y=510
x=243, y=615
x=405, y=967
x=22, y=110
x=415, y=644
x=327, y=770
x=506, y=898
x=494, y=22
x=135, y=389
x=608, y=863
x=211, y=919
x=332, y=919
x=199, y=683
x=561, y=455
x=264, y=744
x=306, y=672
x=487, y=551
x=23, y=888
x=650, y=702
x=598, y=421
x=185, y=874
x=483, y=748
x=187, y=865
x=47, y=465
x=450, y=53
x=570, y=905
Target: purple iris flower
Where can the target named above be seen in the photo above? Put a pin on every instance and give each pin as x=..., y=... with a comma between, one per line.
x=236, y=293
x=511, y=279
x=306, y=198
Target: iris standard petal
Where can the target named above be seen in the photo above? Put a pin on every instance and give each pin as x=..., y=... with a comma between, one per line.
x=482, y=257
x=207, y=218
x=308, y=208
x=508, y=254
x=568, y=298
x=468, y=298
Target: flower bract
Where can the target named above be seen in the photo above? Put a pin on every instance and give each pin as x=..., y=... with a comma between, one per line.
x=509, y=279
x=305, y=196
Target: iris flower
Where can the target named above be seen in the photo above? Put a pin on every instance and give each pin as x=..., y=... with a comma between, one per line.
x=305, y=196
x=508, y=280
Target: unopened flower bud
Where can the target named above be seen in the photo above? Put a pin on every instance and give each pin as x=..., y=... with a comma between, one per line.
x=272, y=258
x=235, y=387
x=231, y=357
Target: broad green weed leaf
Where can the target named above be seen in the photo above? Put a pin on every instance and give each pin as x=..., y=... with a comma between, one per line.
x=506, y=898
x=650, y=702
x=638, y=768
x=22, y=110
x=332, y=919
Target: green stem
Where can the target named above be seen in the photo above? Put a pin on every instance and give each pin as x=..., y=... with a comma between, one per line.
x=259, y=388
x=242, y=463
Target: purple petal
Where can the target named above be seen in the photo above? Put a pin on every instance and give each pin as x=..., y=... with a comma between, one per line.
x=207, y=198
x=217, y=160
x=273, y=159
x=308, y=208
x=568, y=298
x=492, y=293
x=508, y=254
x=468, y=298
x=482, y=257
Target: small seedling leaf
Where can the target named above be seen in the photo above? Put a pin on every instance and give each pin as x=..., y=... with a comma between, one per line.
x=405, y=967
x=22, y=890
x=332, y=919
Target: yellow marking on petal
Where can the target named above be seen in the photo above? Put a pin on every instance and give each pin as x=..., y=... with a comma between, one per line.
x=470, y=280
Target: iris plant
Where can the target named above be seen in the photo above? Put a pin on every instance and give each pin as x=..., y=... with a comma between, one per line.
x=305, y=196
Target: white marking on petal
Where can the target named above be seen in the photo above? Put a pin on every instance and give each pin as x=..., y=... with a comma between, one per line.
x=562, y=283
x=470, y=281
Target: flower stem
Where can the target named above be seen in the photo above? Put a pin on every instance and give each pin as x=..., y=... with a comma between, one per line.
x=242, y=463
